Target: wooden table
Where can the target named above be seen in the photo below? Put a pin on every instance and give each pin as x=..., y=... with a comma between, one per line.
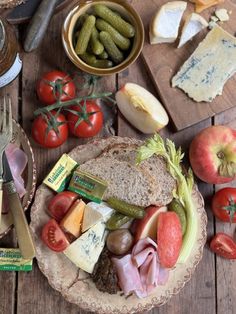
x=212, y=288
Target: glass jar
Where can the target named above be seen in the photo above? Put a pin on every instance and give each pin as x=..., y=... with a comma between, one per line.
x=10, y=62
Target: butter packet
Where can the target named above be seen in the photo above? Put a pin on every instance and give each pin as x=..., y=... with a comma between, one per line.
x=12, y=260
x=60, y=174
x=88, y=186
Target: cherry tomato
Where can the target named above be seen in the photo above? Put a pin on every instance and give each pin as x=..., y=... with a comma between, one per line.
x=224, y=246
x=91, y=118
x=43, y=130
x=224, y=204
x=169, y=238
x=60, y=204
x=54, y=237
x=49, y=84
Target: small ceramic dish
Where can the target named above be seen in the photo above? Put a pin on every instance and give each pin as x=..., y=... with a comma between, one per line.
x=126, y=11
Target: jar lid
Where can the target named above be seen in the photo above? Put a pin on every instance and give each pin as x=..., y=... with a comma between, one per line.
x=2, y=35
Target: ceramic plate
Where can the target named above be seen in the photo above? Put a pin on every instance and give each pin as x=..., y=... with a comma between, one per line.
x=74, y=284
x=21, y=140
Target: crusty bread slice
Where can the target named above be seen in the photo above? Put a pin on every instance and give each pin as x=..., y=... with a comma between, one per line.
x=156, y=166
x=125, y=181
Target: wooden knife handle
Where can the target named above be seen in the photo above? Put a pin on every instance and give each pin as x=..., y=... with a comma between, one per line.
x=24, y=237
x=38, y=24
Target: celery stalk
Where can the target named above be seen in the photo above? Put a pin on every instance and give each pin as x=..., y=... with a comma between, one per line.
x=183, y=192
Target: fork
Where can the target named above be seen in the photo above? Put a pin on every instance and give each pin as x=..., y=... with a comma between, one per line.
x=5, y=136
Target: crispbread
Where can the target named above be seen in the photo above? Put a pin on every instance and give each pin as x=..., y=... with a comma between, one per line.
x=125, y=181
x=155, y=166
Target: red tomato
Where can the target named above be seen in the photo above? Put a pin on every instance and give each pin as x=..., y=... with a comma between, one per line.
x=223, y=245
x=54, y=237
x=48, y=87
x=169, y=238
x=43, y=131
x=224, y=204
x=91, y=118
x=60, y=204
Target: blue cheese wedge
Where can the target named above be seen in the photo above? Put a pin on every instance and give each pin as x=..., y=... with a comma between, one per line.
x=205, y=73
x=85, y=251
x=95, y=213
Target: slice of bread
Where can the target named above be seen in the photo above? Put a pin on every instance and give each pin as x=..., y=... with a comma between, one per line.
x=155, y=166
x=125, y=181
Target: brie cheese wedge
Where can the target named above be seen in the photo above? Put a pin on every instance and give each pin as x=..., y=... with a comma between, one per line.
x=192, y=26
x=165, y=24
x=95, y=213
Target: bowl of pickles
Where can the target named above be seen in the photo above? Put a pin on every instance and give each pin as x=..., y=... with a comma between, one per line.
x=103, y=37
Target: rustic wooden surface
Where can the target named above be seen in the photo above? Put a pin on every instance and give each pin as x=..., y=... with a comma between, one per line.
x=165, y=60
x=212, y=289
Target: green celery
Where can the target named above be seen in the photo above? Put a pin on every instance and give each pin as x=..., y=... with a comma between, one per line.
x=183, y=192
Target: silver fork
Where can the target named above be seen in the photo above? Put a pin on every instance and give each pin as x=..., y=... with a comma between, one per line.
x=5, y=136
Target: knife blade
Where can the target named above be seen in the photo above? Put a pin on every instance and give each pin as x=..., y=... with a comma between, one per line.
x=24, y=237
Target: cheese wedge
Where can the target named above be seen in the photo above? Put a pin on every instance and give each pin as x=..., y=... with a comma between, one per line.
x=85, y=251
x=165, y=24
x=192, y=26
x=204, y=74
x=95, y=213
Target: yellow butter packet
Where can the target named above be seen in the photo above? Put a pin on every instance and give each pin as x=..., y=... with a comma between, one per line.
x=60, y=174
x=88, y=186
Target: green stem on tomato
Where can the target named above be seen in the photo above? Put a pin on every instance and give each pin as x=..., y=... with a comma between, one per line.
x=60, y=104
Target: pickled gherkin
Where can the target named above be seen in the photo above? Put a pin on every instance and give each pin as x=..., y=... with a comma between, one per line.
x=124, y=208
x=115, y=54
x=121, y=41
x=85, y=34
x=123, y=27
x=116, y=221
x=96, y=45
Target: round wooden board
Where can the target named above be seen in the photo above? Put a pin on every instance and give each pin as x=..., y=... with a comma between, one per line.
x=66, y=278
x=23, y=12
x=20, y=139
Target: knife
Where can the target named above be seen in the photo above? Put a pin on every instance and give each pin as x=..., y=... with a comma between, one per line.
x=24, y=237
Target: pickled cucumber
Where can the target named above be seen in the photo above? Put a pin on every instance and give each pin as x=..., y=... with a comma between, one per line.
x=81, y=20
x=126, y=209
x=115, y=54
x=176, y=207
x=125, y=28
x=96, y=45
x=103, y=55
x=116, y=221
x=121, y=41
x=85, y=34
x=91, y=59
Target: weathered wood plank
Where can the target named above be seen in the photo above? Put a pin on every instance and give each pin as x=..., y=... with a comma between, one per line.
x=8, y=279
x=226, y=269
x=199, y=293
x=44, y=299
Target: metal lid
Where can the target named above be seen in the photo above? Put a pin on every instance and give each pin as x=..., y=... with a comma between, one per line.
x=2, y=35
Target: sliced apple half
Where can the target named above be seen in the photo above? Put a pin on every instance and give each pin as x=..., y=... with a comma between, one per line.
x=141, y=108
x=147, y=227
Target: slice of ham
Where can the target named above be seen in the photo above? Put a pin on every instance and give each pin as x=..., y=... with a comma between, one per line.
x=126, y=266
x=140, y=272
x=17, y=160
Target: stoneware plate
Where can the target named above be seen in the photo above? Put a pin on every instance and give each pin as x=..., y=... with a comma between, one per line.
x=74, y=284
x=21, y=140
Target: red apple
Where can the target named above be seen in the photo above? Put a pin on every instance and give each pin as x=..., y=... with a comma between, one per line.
x=147, y=226
x=213, y=154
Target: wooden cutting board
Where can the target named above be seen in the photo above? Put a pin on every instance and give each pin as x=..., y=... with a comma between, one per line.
x=164, y=60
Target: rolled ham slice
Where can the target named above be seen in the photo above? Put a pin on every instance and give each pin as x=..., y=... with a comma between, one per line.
x=140, y=272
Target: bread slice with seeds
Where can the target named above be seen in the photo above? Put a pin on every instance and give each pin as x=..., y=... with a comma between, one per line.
x=125, y=181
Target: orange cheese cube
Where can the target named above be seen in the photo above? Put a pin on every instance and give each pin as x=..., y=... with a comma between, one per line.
x=71, y=223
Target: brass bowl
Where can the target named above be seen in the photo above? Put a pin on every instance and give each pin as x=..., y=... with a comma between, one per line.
x=127, y=11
